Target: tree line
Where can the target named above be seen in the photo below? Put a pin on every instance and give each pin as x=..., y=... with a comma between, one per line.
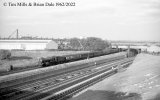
x=89, y=44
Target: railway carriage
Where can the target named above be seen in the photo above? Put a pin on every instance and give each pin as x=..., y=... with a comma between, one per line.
x=97, y=53
x=84, y=55
x=72, y=57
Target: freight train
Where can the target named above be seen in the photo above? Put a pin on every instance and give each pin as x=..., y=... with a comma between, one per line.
x=54, y=60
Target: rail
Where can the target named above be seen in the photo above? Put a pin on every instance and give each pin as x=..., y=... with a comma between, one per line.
x=51, y=85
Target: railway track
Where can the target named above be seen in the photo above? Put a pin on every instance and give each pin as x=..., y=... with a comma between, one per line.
x=18, y=70
x=72, y=90
x=52, y=85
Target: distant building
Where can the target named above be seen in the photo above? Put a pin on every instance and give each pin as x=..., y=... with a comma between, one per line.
x=154, y=49
x=28, y=44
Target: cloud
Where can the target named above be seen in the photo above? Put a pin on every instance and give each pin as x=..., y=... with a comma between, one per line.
x=113, y=17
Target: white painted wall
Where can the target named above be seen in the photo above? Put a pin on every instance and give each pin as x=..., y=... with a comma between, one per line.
x=10, y=46
x=28, y=44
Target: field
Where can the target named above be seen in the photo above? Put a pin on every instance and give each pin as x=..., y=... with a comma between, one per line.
x=22, y=59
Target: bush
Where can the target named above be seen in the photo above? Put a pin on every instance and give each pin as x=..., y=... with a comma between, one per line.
x=5, y=54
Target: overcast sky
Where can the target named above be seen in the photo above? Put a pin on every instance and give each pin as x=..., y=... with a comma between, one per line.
x=107, y=19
